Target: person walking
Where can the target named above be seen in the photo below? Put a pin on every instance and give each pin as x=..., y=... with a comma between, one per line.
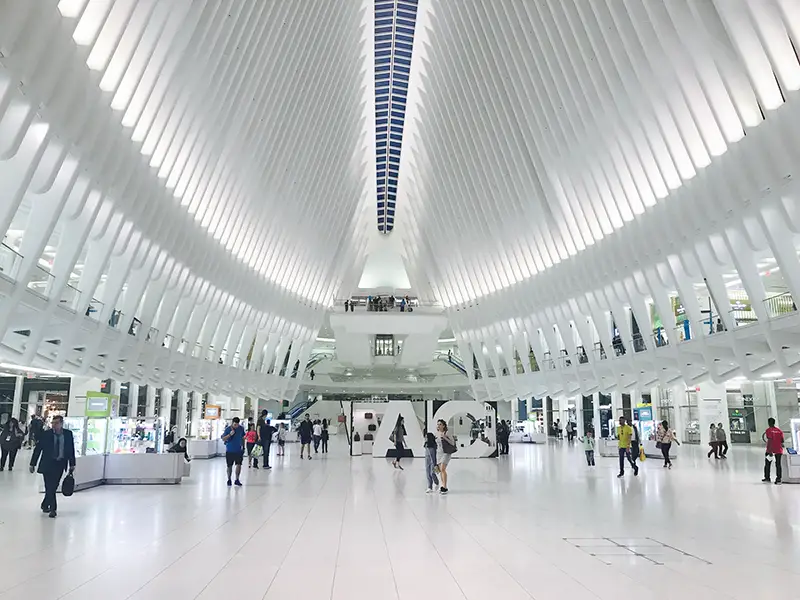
x=588, y=447
x=250, y=440
x=317, y=435
x=35, y=430
x=281, y=439
x=712, y=442
x=398, y=439
x=233, y=436
x=430, y=463
x=325, y=436
x=773, y=437
x=305, y=431
x=11, y=437
x=624, y=435
x=264, y=438
x=722, y=442
x=665, y=437
x=559, y=432
x=636, y=444
x=570, y=431
x=445, y=448
x=54, y=454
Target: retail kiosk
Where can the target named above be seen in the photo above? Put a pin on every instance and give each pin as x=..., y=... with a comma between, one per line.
x=208, y=443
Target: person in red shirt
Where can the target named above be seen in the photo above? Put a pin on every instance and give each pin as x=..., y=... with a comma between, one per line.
x=250, y=441
x=773, y=436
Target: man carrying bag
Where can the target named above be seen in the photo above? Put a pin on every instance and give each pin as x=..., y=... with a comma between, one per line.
x=54, y=454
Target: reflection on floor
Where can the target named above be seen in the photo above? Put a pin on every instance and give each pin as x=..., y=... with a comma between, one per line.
x=536, y=524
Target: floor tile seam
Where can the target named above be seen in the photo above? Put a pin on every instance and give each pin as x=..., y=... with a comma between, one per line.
x=339, y=543
x=383, y=537
x=535, y=551
x=294, y=540
x=435, y=548
x=158, y=539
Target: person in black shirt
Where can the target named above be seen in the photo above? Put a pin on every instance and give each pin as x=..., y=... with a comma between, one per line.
x=265, y=431
x=54, y=454
x=305, y=431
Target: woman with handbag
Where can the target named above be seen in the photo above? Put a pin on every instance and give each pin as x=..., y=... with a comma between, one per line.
x=398, y=439
x=664, y=439
x=446, y=447
x=11, y=438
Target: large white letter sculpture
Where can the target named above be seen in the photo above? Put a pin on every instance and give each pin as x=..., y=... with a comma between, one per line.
x=478, y=448
x=413, y=440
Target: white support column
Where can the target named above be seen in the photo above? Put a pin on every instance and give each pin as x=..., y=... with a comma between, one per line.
x=17, y=406
x=181, y=416
x=197, y=412
x=150, y=403
x=166, y=407
x=133, y=399
x=596, y=414
x=712, y=403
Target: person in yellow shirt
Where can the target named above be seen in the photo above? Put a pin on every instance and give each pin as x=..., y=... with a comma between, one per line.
x=624, y=435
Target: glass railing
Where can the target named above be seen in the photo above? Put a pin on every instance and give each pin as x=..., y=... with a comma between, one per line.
x=10, y=261
x=637, y=342
x=780, y=305
x=41, y=281
x=683, y=331
x=659, y=339
x=152, y=334
x=711, y=326
x=599, y=352
x=95, y=309
x=114, y=320
x=167, y=343
x=70, y=296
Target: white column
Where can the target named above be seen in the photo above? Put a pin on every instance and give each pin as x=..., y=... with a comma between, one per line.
x=33, y=404
x=616, y=404
x=181, y=416
x=596, y=414
x=166, y=407
x=197, y=411
x=133, y=399
x=712, y=403
x=17, y=406
x=579, y=415
x=150, y=404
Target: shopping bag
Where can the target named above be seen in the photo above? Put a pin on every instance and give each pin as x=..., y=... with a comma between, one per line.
x=257, y=451
x=68, y=485
x=641, y=454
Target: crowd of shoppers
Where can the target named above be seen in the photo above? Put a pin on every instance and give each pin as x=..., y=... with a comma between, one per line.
x=382, y=304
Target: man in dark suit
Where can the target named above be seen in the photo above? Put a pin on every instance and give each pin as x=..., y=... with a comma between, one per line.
x=54, y=453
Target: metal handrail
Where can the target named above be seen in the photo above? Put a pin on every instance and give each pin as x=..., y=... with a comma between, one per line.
x=780, y=304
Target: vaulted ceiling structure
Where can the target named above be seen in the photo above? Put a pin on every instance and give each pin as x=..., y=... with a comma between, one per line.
x=188, y=186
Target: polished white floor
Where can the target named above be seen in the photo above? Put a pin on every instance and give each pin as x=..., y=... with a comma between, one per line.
x=536, y=524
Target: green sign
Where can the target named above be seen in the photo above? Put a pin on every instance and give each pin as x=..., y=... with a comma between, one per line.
x=99, y=405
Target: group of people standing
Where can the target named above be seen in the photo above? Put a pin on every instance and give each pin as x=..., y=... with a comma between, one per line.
x=439, y=449
x=313, y=431
x=503, y=435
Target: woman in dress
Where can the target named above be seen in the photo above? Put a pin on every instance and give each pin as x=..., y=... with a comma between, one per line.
x=446, y=446
x=398, y=438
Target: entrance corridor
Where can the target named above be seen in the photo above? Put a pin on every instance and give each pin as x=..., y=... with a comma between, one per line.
x=535, y=524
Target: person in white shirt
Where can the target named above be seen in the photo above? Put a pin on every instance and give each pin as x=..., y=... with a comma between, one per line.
x=281, y=439
x=317, y=436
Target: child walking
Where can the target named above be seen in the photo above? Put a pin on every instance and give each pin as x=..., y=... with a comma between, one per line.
x=430, y=463
x=281, y=439
x=588, y=447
